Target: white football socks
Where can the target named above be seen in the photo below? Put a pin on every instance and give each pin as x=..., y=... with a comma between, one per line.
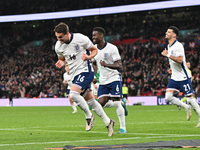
x=74, y=107
x=109, y=104
x=97, y=108
x=169, y=96
x=80, y=101
x=195, y=105
x=120, y=114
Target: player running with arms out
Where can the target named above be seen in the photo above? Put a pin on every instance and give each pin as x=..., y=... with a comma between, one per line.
x=180, y=75
x=108, y=61
x=73, y=49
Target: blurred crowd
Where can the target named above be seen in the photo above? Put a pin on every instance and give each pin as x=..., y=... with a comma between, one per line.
x=19, y=7
x=146, y=71
x=29, y=70
x=32, y=73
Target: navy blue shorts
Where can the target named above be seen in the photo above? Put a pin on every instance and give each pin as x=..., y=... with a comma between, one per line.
x=113, y=89
x=84, y=80
x=68, y=90
x=185, y=86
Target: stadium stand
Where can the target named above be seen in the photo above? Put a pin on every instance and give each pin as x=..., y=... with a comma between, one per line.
x=28, y=57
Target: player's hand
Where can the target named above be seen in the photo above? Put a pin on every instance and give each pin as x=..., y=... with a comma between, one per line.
x=103, y=63
x=169, y=71
x=85, y=57
x=165, y=52
x=60, y=63
x=65, y=82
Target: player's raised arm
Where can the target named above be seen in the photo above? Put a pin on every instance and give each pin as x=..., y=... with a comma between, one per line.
x=178, y=59
x=61, y=62
x=93, y=53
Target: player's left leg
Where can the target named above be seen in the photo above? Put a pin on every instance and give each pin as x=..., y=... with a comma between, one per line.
x=116, y=95
x=80, y=85
x=121, y=115
x=97, y=108
x=110, y=103
x=195, y=105
x=73, y=105
x=186, y=87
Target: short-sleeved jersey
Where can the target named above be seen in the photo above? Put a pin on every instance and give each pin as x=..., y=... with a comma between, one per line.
x=180, y=72
x=67, y=78
x=109, y=53
x=73, y=52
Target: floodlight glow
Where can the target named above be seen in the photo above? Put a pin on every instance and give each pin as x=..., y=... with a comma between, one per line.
x=100, y=11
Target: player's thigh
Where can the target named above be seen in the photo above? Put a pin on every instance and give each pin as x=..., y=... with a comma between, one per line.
x=75, y=88
x=115, y=89
x=186, y=87
x=103, y=100
x=89, y=95
x=103, y=91
x=173, y=86
x=83, y=80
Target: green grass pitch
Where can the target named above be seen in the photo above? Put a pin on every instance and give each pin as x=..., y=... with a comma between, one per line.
x=37, y=128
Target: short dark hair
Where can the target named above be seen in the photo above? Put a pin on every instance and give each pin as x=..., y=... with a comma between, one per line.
x=175, y=30
x=100, y=29
x=62, y=28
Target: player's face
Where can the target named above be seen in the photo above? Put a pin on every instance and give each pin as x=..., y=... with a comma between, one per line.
x=188, y=65
x=169, y=34
x=63, y=38
x=96, y=37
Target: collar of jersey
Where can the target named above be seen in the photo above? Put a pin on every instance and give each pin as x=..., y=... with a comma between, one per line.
x=173, y=43
x=103, y=46
x=72, y=35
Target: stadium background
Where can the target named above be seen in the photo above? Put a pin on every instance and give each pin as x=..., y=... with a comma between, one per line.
x=27, y=61
x=28, y=57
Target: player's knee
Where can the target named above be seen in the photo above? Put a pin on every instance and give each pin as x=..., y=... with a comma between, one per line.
x=168, y=96
x=91, y=102
x=74, y=95
x=190, y=99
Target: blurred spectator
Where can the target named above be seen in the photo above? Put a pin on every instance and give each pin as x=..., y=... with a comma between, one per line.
x=31, y=72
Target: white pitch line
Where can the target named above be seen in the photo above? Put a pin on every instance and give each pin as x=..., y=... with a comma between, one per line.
x=99, y=140
x=134, y=123
x=96, y=132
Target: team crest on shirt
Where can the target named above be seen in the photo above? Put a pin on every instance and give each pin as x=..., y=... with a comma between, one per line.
x=72, y=57
x=77, y=47
x=106, y=55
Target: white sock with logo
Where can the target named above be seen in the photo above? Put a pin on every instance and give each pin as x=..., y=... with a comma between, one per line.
x=82, y=104
x=120, y=114
x=97, y=108
x=195, y=105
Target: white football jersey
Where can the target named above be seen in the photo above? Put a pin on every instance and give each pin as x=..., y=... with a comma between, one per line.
x=73, y=53
x=109, y=53
x=180, y=72
x=67, y=78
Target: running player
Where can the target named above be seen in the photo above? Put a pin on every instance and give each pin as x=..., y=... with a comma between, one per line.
x=108, y=61
x=76, y=50
x=180, y=75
